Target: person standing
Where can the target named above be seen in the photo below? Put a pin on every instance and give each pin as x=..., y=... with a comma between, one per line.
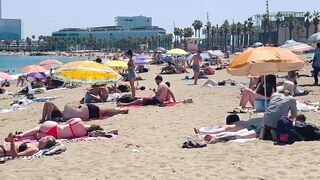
x=316, y=64
x=131, y=72
x=196, y=63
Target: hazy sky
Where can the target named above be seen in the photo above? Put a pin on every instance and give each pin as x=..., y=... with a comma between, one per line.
x=42, y=17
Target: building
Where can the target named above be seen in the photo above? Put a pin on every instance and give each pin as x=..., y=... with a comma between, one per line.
x=278, y=35
x=10, y=29
x=134, y=27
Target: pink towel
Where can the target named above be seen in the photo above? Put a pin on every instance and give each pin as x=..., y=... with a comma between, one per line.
x=166, y=104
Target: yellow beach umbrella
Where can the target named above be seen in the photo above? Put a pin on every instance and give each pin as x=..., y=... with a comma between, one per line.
x=177, y=52
x=117, y=65
x=263, y=61
x=86, y=72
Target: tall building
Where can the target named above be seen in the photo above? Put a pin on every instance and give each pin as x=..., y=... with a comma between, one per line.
x=134, y=27
x=10, y=29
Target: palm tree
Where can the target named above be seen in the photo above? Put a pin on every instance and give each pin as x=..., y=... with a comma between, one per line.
x=279, y=17
x=220, y=33
x=307, y=22
x=265, y=21
x=187, y=32
x=238, y=30
x=316, y=20
x=197, y=25
x=250, y=30
x=213, y=34
x=245, y=29
x=208, y=29
x=225, y=27
x=233, y=32
x=29, y=43
x=176, y=32
x=33, y=37
x=291, y=21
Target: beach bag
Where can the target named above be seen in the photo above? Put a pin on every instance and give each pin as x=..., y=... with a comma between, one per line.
x=307, y=131
x=285, y=131
x=127, y=98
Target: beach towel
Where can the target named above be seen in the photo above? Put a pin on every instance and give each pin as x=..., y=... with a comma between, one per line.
x=57, y=149
x=302, y=107
x=94, y=136
x=165, y=104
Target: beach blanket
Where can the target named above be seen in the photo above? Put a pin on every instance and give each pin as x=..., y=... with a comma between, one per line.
x=57, y=149
x=20, y=104
x=166, y=104
x=94, y=136
x=302, y=107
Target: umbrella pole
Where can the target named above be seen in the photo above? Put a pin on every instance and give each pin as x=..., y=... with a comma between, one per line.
x=265, y=93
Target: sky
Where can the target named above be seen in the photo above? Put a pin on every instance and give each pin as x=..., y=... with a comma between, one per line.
x=42, y=17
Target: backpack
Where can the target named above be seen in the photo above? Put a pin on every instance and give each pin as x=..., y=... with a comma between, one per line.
x=285, y=131
x=307, y=131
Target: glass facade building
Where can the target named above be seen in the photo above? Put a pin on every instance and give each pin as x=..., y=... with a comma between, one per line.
x=10, y=29
x=134, y=27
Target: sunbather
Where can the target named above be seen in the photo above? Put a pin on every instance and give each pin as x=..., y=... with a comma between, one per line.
x=25, y=149
x=161, y=94
x=71, y=129
x=97, y=94
x=83, y=111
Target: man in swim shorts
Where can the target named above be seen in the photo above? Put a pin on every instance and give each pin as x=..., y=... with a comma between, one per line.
x=196, y=63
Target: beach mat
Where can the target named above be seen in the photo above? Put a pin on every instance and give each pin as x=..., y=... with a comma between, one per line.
x=55, y=150
x=114, y=135
x=166, y=104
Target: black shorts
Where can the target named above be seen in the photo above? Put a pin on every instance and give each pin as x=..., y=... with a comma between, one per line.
x=150, y=101
x=94, y=111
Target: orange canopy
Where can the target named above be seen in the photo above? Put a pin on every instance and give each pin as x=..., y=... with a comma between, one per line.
x=264, y=60
x=34, y=68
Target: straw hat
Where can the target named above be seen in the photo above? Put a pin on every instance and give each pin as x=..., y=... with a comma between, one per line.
x=288, y=87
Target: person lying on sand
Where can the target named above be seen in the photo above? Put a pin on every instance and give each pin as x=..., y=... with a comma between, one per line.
x=25, y=149
x=83, y=111
x=161, y=94
x=235, y=129
x=71, y=129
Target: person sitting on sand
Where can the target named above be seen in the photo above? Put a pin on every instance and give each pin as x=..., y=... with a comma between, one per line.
x=161, y=94
x=37, y=83
x=257, y=97
x=6, y=83
x=26, y=149
x=83, y=111
x=73, y=128
x=170, y=69
x=280, y=104
x=21, y=80
x=96, y=94
x=208, y=70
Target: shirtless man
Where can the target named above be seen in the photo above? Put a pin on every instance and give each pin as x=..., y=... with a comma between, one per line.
x=161, y=94
x=196, y=63
x=97, y=94
x=84, y=112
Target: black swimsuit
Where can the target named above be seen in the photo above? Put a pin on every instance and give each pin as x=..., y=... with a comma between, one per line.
x=21, y=148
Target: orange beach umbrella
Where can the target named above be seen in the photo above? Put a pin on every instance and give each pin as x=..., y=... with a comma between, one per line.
x=50, y=64
x=34, y=68
x=263, y=61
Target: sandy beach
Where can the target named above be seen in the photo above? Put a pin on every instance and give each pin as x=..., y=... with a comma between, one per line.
x=157, y=134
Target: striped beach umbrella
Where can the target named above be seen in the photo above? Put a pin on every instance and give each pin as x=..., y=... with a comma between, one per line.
x=297, y=47
x=50, y=64
x=86, y=72
x=34, y=68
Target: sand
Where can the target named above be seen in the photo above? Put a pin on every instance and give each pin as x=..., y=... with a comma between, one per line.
x=157, y=134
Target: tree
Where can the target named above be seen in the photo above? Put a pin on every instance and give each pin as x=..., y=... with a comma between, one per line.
x=197, y=25
x=239, y=28
x=208, y=29
x=279, y=17
x=187, y=32
x=265, y=21
x=307, y=22
x=316, y=20
x=250, y=30
x=213, y=34
x=245, y=29
x=225, y=27
x=176, y=32
x=291, y=22
x=233, y=32
x=33, y=37
x=29, y=43
x=220, y=35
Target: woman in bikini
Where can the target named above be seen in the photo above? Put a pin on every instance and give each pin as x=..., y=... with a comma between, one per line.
x=131, y=72
x=71, y=129
x=25, y=149
x=82, y=111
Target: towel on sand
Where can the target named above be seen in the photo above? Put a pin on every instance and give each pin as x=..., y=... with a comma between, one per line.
x=93, y=136
x=166, y=104
x=57, y=149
